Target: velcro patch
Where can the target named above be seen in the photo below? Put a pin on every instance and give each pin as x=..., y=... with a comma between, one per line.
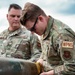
x=67, y=44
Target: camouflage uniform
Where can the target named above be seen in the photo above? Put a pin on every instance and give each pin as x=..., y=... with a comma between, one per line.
x=19, y=44
x=58, y=48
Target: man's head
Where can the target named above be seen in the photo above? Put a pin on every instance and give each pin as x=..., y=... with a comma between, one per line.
x=34, y=18
x=13, y=16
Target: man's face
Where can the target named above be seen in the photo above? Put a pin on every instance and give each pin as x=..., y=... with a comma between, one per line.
x=38, y=26
x=13, y=17
x=33, y=27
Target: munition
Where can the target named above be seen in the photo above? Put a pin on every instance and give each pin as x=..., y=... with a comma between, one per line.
x=13, y=66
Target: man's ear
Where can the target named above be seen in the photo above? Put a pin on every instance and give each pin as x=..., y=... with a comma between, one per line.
x=7, y=16
x=40, y=18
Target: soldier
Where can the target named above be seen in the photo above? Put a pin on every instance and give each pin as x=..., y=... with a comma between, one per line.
x=57, y=40
x=17, y=41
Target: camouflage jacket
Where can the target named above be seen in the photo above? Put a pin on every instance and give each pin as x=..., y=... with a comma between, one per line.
x=20, y=44
x=58, y=46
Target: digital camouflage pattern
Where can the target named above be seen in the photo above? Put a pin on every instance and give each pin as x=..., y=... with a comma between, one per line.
x=20, y=44
x=12, y=66
x=58, y=48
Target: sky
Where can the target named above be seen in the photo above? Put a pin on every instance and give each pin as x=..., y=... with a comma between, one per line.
x=63, y=10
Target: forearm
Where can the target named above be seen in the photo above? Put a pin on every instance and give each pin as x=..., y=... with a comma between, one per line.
x=48, y=73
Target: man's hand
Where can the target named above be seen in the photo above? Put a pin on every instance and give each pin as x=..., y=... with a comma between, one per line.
x=40, y=61
x=48, y=73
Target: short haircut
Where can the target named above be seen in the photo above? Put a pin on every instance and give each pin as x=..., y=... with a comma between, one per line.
x=15, y=6
x=31, y=12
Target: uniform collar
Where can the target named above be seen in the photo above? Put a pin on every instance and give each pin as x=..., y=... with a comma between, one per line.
x=15, y=32
x=49, y=26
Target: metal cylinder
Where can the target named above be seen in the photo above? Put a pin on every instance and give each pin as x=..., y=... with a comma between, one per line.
x=12, y=66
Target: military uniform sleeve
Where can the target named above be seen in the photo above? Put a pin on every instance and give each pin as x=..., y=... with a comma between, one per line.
x=35, y=47
x=46, y=65
x=66, y=49
x=65, y=69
